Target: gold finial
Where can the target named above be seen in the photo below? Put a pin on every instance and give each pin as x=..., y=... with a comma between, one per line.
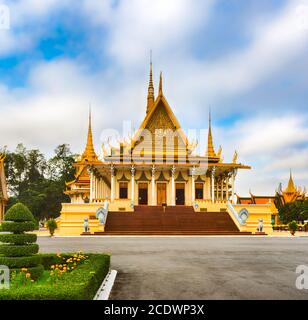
x=291, y=185
x=151, y=97
x=89, y=152
x=210, y=147
x=160, y=92
x=235, y=157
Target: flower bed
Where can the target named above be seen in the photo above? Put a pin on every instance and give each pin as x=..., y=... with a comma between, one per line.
x=66, y=277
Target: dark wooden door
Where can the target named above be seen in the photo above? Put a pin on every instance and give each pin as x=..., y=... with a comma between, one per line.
x=180, y=194
x=143, y=193
x=161, y=194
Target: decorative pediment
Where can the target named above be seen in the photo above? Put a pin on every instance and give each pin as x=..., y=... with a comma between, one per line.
x=160, y=120
x=162, y=178
x=143, y=178
x=123, y=178
x=180, y=178
x=199, y=180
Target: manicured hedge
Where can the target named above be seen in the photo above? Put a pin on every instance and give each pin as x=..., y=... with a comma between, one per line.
x=20, y=262
x=19, y=238
x=19, y=213
x=10, y=250
x=80, y=284
x=18, y=227
x=17, y=220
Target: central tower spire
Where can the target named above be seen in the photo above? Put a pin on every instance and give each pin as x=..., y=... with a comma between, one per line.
x=89, y=152
x=151, y=97
x=210, y=146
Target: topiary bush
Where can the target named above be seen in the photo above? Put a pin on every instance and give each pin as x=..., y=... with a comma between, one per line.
x=51, y=225
x=19, y=250
x=293, y=226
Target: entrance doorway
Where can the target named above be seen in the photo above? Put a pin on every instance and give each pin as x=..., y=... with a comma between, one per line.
x=161, y=193
x=180, y=194
x=143, y=193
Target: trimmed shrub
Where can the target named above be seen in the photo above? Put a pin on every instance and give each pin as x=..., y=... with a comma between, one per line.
x=18, y=227
x=19, y=213
x=18, y=238
x=19, y=249
x=10, y=250
x=293, y=226
x=51, y=225
x=21, y=262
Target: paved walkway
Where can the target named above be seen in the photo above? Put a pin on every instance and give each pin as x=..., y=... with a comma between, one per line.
x=197, y=267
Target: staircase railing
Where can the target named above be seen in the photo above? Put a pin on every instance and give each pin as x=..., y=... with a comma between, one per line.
x=235, y=216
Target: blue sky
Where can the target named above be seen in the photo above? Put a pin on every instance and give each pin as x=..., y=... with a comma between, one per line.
x=246, y=59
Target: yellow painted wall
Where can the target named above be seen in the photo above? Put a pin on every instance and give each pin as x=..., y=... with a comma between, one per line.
x=257, y=212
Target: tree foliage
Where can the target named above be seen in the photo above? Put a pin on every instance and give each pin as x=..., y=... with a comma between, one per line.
x=38, y=182
x=294, y=211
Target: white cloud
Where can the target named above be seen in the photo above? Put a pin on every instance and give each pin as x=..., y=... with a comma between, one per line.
x=272, y=146
x=163, y=26
x=274, y=45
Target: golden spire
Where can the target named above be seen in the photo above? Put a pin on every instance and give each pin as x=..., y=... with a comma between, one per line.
x=160, y=91
x=151, y=97
x=210, y=147
x=291, y=185
x=89, y=152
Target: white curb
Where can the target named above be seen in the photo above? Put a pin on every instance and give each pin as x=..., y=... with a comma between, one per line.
x=104, y=291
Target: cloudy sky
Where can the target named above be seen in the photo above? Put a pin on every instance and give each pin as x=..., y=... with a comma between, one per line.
x=245, y=59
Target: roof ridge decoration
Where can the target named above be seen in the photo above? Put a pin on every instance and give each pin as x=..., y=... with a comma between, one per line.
x=151, y=96
x=291, y=188
x=160, y=101
x=210, y=152
x=89, y=154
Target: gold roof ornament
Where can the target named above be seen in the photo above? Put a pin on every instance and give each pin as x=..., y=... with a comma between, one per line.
x=235, y=157
x=210, y=146
x=160, y=91
x=89, y=152
x=151, y=96
x=291, y=185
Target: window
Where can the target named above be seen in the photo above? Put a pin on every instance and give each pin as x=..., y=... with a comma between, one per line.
x=123, y=190
x=199, y=191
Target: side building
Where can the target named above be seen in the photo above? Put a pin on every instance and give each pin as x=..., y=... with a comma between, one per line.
x=281, y=197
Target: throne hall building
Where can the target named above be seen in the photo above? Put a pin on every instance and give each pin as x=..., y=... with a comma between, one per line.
x=155, y=183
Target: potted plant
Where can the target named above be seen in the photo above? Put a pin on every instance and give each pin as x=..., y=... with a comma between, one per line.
x=51, y=225
x=293, y=226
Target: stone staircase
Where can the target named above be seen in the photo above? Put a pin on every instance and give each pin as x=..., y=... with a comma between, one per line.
x=177, y=220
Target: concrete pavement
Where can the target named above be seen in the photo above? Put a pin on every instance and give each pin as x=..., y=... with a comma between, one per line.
x=197, y=267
